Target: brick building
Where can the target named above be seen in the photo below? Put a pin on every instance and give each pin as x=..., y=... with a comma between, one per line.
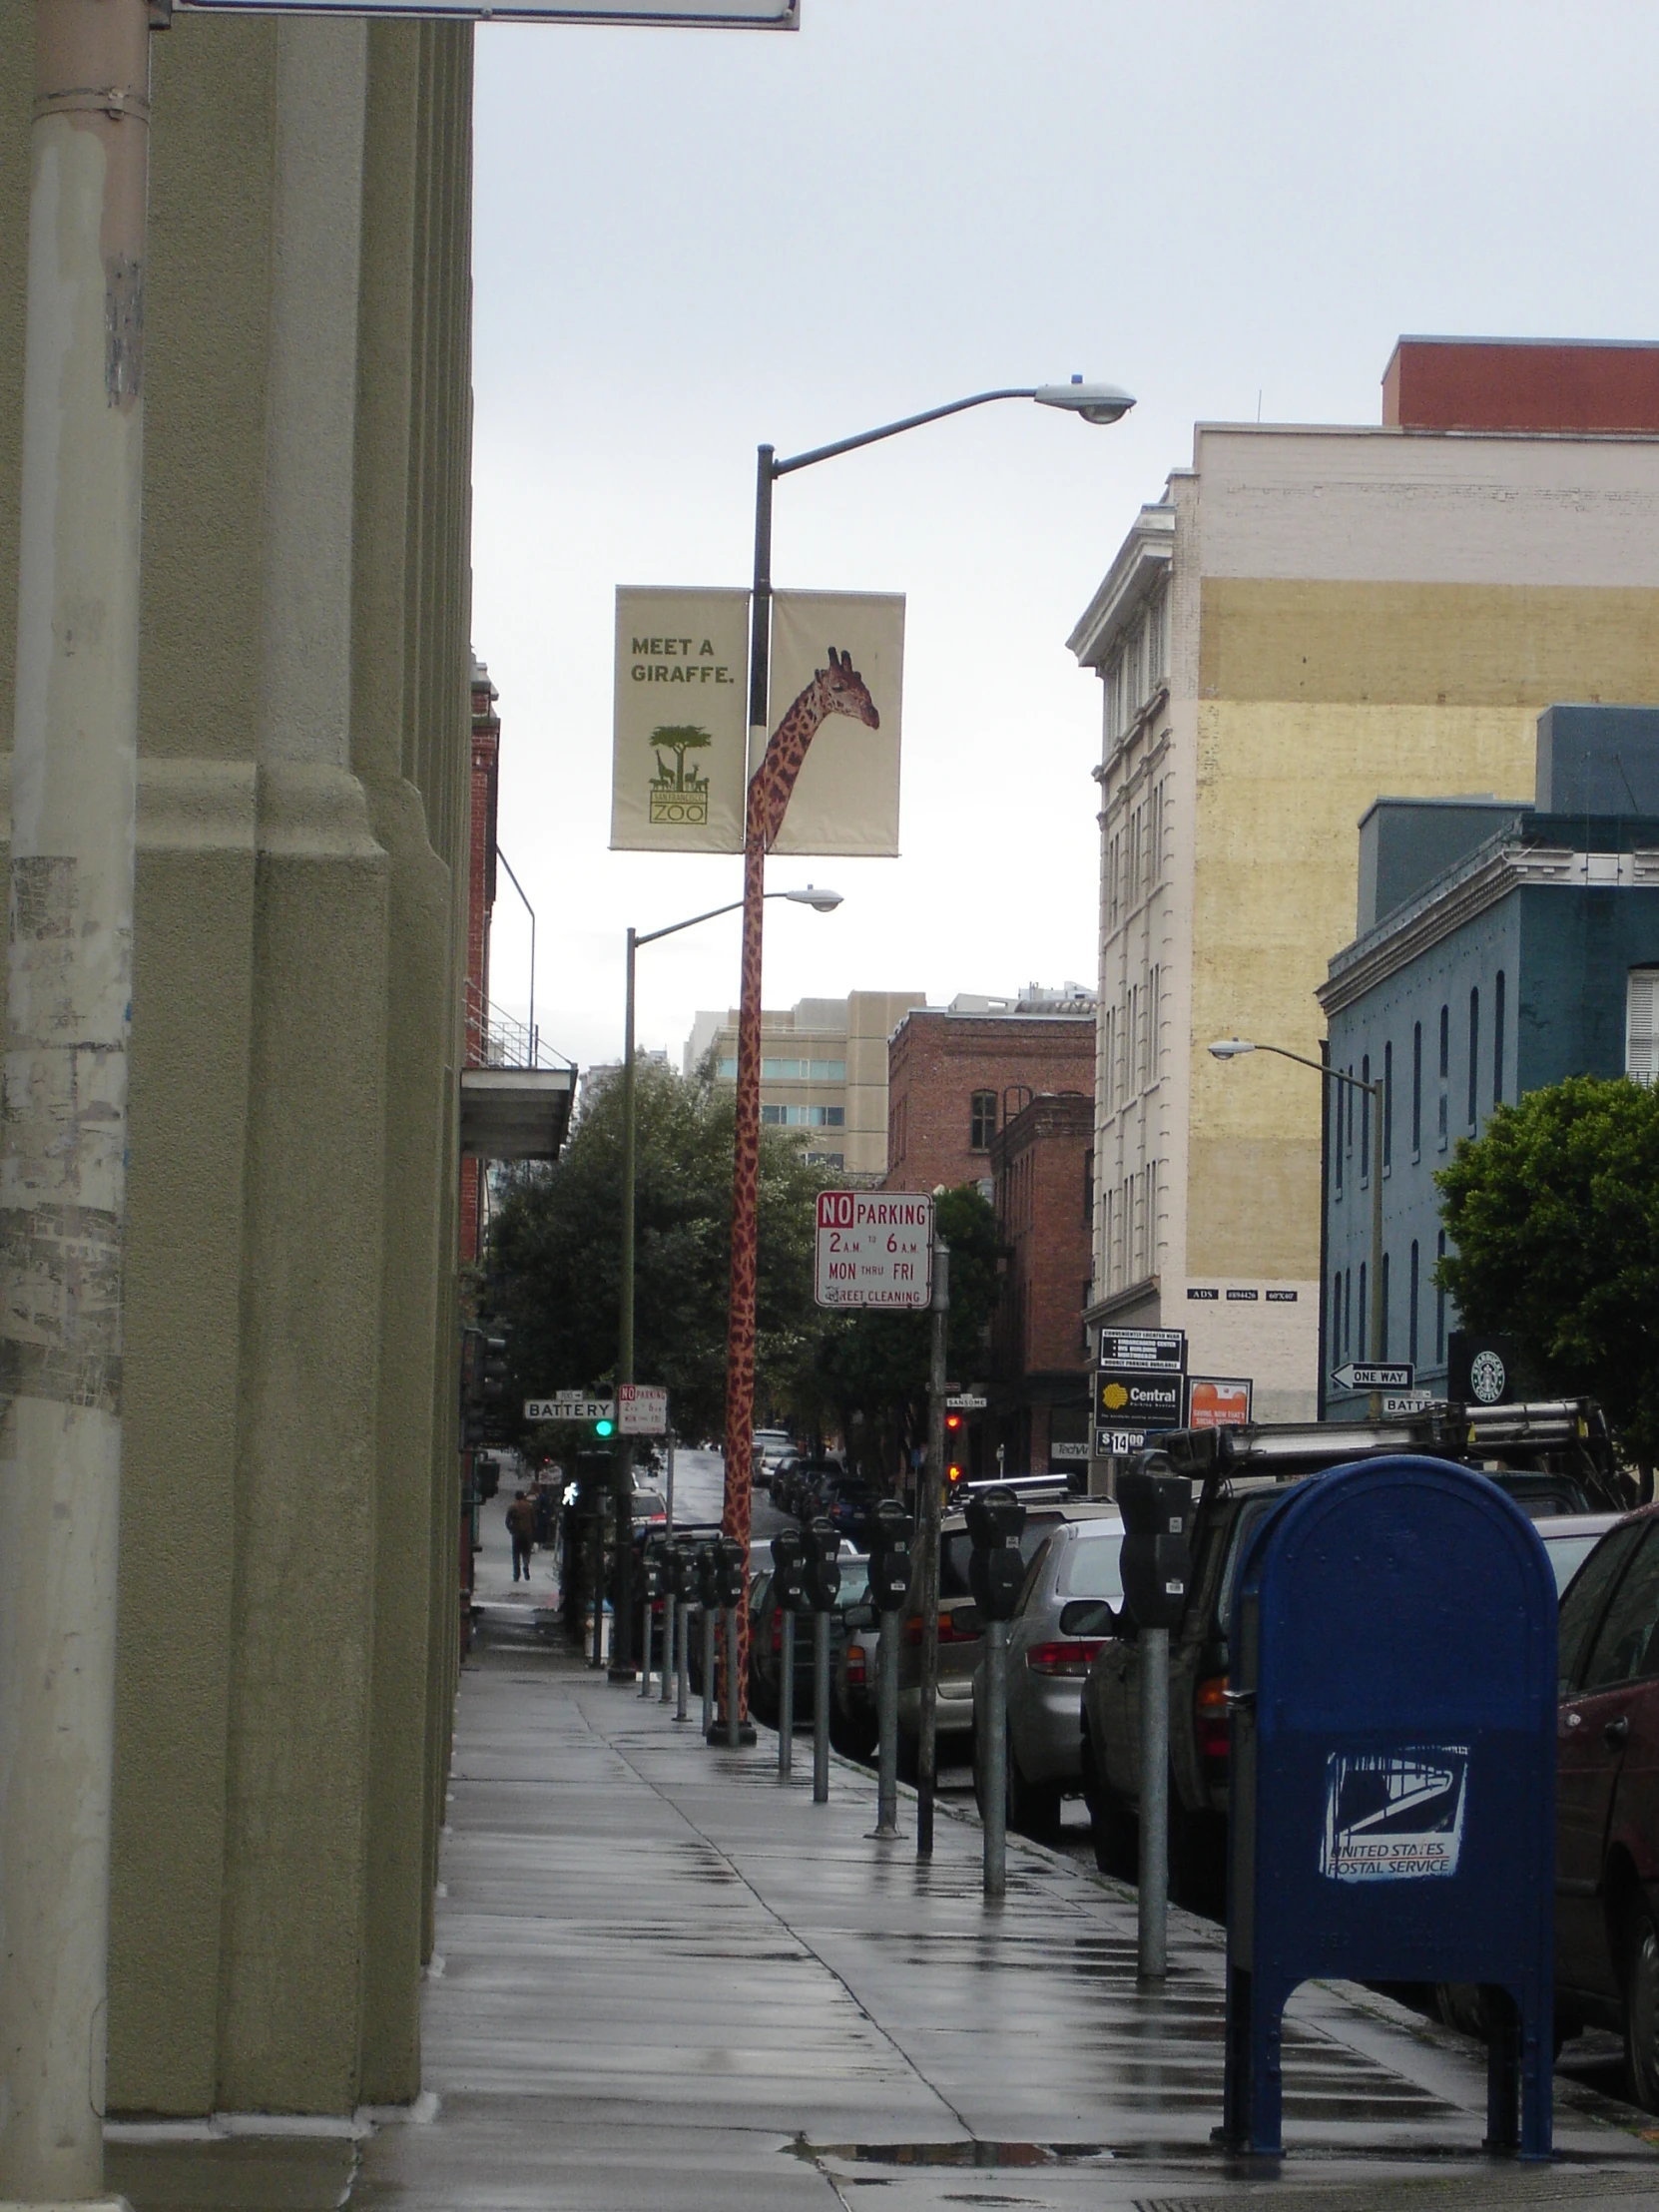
x=957, y=1073
x=486, y=764
x=1042, y=1165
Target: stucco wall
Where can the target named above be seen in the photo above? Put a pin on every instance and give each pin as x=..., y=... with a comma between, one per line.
x=286, y=1637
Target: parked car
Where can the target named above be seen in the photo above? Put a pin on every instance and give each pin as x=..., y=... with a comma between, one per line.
x=1554, y=1458
x=961, y=1638
x=770, y=1446
x=812, y=1486
x=650, y=1507
x=1066, y=1606
x=1607, y=1799
x=766, y=1649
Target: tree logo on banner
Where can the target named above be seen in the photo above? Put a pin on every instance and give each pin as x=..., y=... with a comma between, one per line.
x=678, y=795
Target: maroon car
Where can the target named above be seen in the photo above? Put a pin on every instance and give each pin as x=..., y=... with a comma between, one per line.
x=1607, y=1798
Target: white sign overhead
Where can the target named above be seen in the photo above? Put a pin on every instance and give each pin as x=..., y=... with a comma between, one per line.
x=717, y=15
x=642, y=1409
x=874, y=1248
x=568, y=1406
x=1359, y=1374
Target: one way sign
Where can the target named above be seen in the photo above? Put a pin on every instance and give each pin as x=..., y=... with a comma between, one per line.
x=1358, y=1377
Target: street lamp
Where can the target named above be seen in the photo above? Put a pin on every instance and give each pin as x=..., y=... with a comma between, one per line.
x=1094, y=404
x=1230, y=1048
x=822, y=901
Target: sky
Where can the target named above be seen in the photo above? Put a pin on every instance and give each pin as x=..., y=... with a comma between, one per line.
x=687, y=241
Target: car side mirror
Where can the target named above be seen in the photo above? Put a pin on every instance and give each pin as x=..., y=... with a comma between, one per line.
x=862, y=1616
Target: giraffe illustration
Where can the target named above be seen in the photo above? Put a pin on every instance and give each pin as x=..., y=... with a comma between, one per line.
x=836, y=690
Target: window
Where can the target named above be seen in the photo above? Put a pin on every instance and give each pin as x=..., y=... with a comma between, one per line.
x=982, y=1121
x=1387, y=1110
x=802, y=1071
x=1364, y=1124
x=1498, y=1041
x=1587, y=1593
x=1337, y=1139
x=1417, y=1089
x=1445, y=1071
x=1382, y=1328
x=1641, y=1048
x=804, y=1117
x=1347, y=1092
x=1625, y=1645
x=1360, y=1318
x=1411, y=1310
x=1088, y=1190
x=726, y=1070
x=1439, y=1303
x=1336, y=1323
x=1474, y=1054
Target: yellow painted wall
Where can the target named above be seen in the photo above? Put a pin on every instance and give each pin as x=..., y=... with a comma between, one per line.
x=1316, y=698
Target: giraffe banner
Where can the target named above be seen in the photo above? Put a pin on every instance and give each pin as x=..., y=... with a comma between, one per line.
x=680, y=733
x=845, y=797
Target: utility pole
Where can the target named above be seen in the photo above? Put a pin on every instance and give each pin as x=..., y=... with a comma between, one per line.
x=932, y=1510
x=64, y=1149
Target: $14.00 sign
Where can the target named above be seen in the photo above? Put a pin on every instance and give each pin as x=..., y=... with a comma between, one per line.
x=875, y=1249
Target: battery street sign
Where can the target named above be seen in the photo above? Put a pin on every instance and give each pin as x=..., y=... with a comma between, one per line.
x=1164, y=1349
x=715, y=15
x=569, y=1405
x=1358, y=1375
x=873, y=1249
x=642, y=1409
x=1397, y=1403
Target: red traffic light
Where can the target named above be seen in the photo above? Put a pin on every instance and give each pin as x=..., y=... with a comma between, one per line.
x=953, y=1474
x=952, y=1423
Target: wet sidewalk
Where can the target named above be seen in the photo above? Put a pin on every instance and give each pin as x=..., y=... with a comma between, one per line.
x=665, y=1980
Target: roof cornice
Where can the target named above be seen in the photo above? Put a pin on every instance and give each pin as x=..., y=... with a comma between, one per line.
x=1142, y=562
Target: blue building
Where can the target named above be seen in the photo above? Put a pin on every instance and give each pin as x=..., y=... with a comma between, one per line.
x=1500, y=948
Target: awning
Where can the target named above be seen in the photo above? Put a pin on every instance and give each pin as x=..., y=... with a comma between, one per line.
x=515, y=1113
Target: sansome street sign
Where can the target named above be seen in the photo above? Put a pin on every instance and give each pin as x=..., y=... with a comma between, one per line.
x=642, y=1409
x=719, y=15
x=874, y=1248
x=568, y=1406
x=1358, y=1375
x=965, y=1401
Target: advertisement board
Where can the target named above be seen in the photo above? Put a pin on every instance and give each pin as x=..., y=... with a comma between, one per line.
x=1133, y=1404
x=1164, y=1349
x=679, y=723
x=1216, y=1401
x=846, y=795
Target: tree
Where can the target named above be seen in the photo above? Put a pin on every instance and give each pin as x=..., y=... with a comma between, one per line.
x=680, y=738
x=555, y=1255
x=1554, y=1214
x=871, y=1368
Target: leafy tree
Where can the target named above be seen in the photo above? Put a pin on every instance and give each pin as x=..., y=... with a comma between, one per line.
x=680, y=738
x=1554, y=1213
x=555, y=1255
x=871, y=1368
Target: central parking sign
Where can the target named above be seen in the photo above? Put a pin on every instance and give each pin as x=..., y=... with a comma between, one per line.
x=874, y=1248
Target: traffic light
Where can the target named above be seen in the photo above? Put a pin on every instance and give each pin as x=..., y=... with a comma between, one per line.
x=493, y=1380
x=604, y=1427
x=956, y=1452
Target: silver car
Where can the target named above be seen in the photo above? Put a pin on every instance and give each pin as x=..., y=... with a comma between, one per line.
x=1059, y=1623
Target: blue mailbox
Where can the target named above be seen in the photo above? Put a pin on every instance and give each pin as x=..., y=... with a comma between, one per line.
x=1393, y=1791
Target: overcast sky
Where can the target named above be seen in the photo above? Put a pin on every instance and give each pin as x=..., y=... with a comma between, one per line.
x=687, y=241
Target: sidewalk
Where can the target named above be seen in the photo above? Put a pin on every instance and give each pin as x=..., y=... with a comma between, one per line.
x=667, y=1980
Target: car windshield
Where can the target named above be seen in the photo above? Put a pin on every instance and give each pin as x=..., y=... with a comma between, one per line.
x=1089, y=1566
x=1567, y=1553
x=1250, y=1513
x=855, y=1581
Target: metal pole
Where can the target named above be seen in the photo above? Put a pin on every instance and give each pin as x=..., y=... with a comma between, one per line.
x=645, y=1647
x=1376, y=1302
x=598, y=1554
x=993, y=1758
x=708, y=1671
x=622, y=1659
x=684, y=1689
x=1152, y=1914
x=668, y=1646
x=733, y=1698
x=820, y=1708
x=746, y=1142
x=63, y=1182
x=886, y=1703
x=786, y=1696
x=933, y=1509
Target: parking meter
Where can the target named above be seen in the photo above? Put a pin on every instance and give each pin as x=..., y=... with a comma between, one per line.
x=680, y=1570
x=730, y=1557
x=681, y=1564
x=820, y=1578
x=729, y=1564
x=707, y=1596
x=889, y=1556
x=789, y=1597
x=890, y=1586
x=652, y=1587
x=1155, y=1504
x=653, y=1579
x=1155, y=1566
x=995, y=1523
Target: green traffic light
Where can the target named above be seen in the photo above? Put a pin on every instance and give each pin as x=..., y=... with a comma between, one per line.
x=604, y=1427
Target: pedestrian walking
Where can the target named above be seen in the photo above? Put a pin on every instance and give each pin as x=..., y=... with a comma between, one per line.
x=521, y=1527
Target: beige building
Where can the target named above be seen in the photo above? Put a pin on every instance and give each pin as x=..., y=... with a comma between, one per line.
x=823, y=1072
x=287, y=1643
x=1307, y=619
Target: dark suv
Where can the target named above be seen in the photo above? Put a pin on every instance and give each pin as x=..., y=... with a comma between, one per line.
x=1552, y=1458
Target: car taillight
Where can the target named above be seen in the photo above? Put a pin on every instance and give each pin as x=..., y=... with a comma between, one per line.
x=856, y=1665
x=1072, y=1658
x=950, y=1633
x=1210, y=1716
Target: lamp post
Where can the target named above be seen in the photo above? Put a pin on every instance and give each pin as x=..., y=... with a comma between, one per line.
x=1230, y=1048
x=822, y=901
x=1095, y=404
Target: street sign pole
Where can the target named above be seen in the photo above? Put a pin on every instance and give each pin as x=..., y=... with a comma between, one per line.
x=933, y=1509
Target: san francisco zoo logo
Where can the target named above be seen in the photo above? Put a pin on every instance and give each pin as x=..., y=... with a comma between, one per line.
x=679, y=795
